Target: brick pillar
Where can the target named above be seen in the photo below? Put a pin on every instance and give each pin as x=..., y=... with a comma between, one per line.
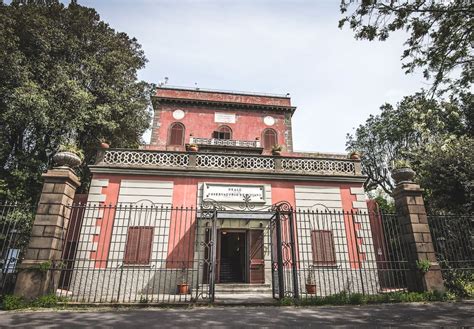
x=416, y=237
x=49, y=229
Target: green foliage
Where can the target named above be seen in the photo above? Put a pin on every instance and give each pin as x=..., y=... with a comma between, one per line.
x=384, y=201
x=423, y=265
x=398, y=164
x=344, y=298
x=439, y=36
x=446, y=173
x=71, y=147
x=19, y=220
x=434, y=136
x=460, y=282
x=47, y=301
x=11, y=302
x=65, y=75
x=44, y=266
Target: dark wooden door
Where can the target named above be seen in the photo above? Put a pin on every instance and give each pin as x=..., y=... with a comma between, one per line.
x=257, y=261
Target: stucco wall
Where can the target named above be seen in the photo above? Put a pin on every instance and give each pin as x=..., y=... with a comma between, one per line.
x=200, y=122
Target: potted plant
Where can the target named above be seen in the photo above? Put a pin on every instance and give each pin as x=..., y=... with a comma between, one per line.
x=402, y=172
x=193, y=147
x=104, y=143
x=310, y=283
x=69, y=155
x=354, y=155
x=183, y=287
x=276, y=149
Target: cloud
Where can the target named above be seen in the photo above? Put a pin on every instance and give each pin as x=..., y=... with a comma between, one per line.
x=276, y=47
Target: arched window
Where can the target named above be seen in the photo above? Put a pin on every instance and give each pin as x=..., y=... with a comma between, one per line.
x=176, y=135
x=224, y=132
x=269, y=138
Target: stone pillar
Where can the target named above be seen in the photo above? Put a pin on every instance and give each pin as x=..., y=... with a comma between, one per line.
x=416, y=237
x=35, y=277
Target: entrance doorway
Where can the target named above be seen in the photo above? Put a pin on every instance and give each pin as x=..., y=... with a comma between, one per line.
x=240, y=256
x=233, y=252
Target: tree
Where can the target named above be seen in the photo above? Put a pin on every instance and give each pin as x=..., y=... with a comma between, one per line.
x=435, y=136
x=440, y=35
x=64, y=75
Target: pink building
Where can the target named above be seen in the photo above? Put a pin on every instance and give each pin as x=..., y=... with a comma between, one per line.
x=219, y=147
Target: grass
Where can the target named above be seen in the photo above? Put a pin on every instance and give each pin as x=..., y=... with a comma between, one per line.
x=344, y=298
x=11, y=302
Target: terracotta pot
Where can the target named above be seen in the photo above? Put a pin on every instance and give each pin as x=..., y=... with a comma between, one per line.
x=276, y=153
x=355, y=156
x=104, y=145
x=193, y=148
x=403, y=175
x=67, y=159
x=183, y=289
x=311, y=288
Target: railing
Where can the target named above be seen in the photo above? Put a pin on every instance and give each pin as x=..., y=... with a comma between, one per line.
x=224, y=142
x=215, y=161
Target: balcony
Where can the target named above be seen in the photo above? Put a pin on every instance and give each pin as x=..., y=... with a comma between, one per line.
x=230, y=163
x=227, y=145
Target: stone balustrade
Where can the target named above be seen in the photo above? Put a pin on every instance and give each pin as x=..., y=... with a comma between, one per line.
x=227, y=162
x=224, y=142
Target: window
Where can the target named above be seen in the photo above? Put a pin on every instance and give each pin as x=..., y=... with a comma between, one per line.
x=269, y=138
x=138, y=247
x=223, y=132
x=176, y=136
x=322, y=245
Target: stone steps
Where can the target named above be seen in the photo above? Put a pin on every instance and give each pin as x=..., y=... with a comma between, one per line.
x=243, y=288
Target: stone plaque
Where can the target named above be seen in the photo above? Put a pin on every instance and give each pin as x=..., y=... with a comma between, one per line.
x=234, y=193
x=224, y=117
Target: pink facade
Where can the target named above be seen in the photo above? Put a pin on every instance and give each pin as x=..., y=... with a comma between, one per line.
x=209, y=138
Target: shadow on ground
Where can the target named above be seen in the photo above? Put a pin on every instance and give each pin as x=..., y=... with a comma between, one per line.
x=399, y=315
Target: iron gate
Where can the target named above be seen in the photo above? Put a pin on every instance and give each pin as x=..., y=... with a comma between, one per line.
x=282, y=246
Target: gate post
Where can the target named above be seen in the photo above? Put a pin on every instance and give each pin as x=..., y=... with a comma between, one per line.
x=281, y=282
x=416, y=236
x=37, y=275
x=294, y=263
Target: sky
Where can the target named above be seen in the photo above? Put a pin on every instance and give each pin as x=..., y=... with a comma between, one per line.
x=275, y=46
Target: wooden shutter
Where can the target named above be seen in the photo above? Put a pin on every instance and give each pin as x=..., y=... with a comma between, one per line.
x=145, y=244
x=269, y=139
x=131, y=248
x=257, y=261
x=139, y=243
x=322, y=245
x=176, y=134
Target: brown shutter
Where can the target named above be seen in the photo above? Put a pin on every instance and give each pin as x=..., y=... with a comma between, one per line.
x=145, y=245
x=131, y=248
x=322, y=244
x=139, y=243
x=176, y=134
x=257, y=261
x=269, y=139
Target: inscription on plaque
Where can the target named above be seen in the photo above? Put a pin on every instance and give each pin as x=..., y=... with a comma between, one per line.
x=234, y=193
x=224, y=117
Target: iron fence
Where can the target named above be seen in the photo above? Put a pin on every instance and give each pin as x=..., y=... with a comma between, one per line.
x=346, y=252
x=453, y=241
x=15, y=228
x=135, y=254
x=144, y=253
